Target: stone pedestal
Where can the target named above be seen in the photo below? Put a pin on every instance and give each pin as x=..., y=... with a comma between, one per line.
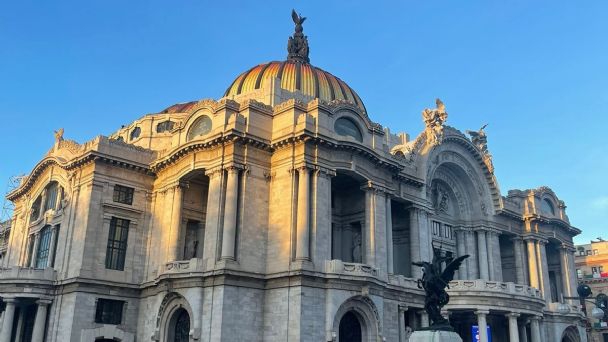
x=434, y=336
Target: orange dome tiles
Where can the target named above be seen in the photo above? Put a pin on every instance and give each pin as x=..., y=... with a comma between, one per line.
x=295, y=76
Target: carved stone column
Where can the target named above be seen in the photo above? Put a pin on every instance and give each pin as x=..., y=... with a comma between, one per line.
x=532, y=264
x=523, y=334
x=7, y=323
x=461, y=250
x=544, y=270
x=40, y=322
x=35, y=250
x=230, y=214
x=420, y=239
x=402, y=309
x=518, y=253
x=513, y=330
x=424, y=319
x=472, y=261
x=482, y=324
x=389, y=236
x=567, y=286
x=535, y=329
x=176, y=214
x=52, y=246
x=494, y=242
x=370, y=227
x=483, y=255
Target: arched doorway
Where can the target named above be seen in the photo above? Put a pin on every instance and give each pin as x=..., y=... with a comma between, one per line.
x=571, y=335
x=350, y=328
x=179, y=326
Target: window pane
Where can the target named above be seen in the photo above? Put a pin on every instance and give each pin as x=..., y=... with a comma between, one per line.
x=51, y=196
x=42, y=255
x=347, y=127
x=109, y=311
x=117, y=244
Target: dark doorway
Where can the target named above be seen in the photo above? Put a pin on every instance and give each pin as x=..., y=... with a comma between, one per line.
x=182, y=327
x=350, y=328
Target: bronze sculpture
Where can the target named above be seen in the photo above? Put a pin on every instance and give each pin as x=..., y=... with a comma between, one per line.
x=297, y=46
x=434, y=282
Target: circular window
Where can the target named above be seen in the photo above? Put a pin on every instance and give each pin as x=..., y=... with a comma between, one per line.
x=201, y=126
x=164, y=126
x=135, y=133
x=346, y=127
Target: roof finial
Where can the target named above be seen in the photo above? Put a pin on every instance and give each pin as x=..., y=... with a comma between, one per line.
x=297, y=46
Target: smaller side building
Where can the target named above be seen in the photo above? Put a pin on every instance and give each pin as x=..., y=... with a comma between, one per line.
x=591, y=262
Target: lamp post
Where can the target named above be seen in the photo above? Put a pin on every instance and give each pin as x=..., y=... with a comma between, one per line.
x=600, y=311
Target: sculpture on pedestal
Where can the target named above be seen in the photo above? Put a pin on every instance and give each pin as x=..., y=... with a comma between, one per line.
x=434, y=282
x=433, y=121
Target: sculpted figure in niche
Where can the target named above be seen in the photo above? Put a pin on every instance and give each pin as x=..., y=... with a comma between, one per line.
x=434, y=120
x=357, y=247
x=442, y=201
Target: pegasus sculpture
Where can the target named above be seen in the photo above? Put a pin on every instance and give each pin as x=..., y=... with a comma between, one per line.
x=434, y=282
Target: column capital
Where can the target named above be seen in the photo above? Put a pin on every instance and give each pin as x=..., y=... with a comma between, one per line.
x=482, y=312
x=402, y=307
x=535, y=318
x=517, y=239
x=44, y=301
x=10, y=300
x=512, y=314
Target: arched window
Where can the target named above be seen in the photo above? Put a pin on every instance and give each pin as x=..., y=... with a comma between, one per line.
x=179, y=327
x=201, y=126
x=346, y=127
x=165, y=126
x=547, y=207
x=135, y=133
x=52, y=191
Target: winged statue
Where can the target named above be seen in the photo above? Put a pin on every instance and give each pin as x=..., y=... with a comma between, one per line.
x=298, y=19
x=434, y=282
x=297, y=45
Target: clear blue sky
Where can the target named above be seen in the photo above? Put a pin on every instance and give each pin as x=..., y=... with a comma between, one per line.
x=536, y=71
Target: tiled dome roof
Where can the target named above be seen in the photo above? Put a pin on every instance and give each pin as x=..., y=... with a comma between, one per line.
x=295, y=75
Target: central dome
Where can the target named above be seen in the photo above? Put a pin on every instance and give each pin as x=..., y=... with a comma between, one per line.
x=294, y=76
x=275, y=82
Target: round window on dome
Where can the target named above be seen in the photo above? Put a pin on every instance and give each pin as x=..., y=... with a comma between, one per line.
x=201, y=126
x=346, y=127
x=135, y=133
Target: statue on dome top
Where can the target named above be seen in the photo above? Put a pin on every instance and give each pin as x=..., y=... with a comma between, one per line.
x=297, y=46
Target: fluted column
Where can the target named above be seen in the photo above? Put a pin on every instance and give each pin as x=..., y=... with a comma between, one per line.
x=472, y=262
x=532, y=264
x=7, y=323
x=230, y=214
x=518, y=254
x=176, y=214
x=513, y=329
x=482, y=324
x=35, y=250
x=461, y=250
x=535, y=329
x=40, y=322
x=389, y=236
x=483, y=255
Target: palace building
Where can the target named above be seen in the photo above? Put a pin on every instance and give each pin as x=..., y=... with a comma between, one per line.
x=279, y=212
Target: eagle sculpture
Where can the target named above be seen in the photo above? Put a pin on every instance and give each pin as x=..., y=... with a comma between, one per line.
x=434, y=282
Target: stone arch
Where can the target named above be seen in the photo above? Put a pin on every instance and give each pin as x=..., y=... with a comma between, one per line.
x=570, y=334
x=367, y=314
x=172, y=303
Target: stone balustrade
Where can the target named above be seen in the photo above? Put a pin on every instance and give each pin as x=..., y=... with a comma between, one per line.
x=28, y=274
x=493, y=286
